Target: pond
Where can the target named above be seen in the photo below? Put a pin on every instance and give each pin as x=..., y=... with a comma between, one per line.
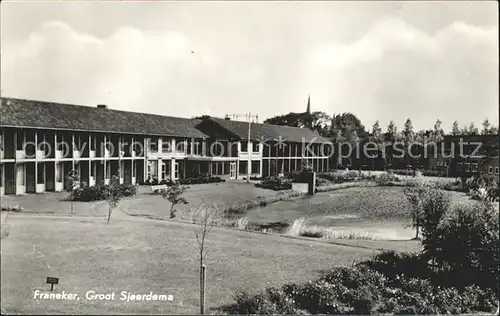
x=366, y=212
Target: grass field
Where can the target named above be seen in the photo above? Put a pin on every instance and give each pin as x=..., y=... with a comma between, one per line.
x=144, y=255
x=223, y=194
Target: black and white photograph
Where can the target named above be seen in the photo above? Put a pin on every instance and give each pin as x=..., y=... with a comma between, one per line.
x=249, y=157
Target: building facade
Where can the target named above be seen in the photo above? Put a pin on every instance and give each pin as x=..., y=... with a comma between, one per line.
x=467, y=155
x=40, y=142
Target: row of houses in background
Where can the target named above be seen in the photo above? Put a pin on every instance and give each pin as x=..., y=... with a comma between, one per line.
x=43, y=141
x=453, y=156
x=40, y=142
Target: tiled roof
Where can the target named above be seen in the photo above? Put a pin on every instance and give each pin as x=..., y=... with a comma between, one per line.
x=39, y=114
x=269, y=132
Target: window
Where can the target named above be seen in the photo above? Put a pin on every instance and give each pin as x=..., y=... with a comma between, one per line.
x=41, y=173
x=244, y=146
x=196, y=147
x=93, y=142
x=165, y=170
x=474, y=167
x=243, y=167
x=181, y=146
x=255, y=166
x=255, y=147
x=496, y=170
x=149, y=170
x=165, y=145
x=153, y=144
x=19, y=140
x=490, y=169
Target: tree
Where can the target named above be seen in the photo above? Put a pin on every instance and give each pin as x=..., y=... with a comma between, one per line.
x=437, y=133
x=318, y=121
x=455, y=130
x=464, y=131
x=72, y=184
x=205, y=217
x=486, y=127
x=391, y=137
x=494, y=130
x=174, y=195
x=378, y=139
x=408, y=138
x=392, y=132
x=472, y=129
x=113, y=194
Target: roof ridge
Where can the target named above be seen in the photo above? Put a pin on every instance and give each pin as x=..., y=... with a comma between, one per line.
x=92, y=107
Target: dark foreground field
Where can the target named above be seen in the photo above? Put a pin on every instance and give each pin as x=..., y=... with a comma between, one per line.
x=143, y=256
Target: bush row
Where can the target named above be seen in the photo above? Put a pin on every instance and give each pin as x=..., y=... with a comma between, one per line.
x=276, y=184
x=361, y=290
x=190, y=180
x=427, y=173
x=97, y=193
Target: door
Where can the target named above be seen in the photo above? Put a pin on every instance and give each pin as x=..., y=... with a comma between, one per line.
x=232, y=171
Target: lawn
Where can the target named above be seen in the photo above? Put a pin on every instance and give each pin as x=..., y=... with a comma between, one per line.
x=141, y=256
x=145, y=203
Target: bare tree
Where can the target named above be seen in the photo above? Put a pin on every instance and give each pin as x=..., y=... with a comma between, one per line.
x=205, y=218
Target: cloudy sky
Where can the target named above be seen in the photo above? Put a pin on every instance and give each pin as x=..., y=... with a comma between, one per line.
x=378, y=60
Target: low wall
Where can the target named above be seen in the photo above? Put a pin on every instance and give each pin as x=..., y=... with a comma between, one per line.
x=300, y=187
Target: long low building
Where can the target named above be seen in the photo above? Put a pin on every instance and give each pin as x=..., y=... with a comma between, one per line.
x=42, y=141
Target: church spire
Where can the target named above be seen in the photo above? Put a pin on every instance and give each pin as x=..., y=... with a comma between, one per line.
x=307, y=114
x=308, y=111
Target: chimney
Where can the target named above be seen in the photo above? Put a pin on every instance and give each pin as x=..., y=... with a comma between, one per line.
x=227, y=118
x=102, y=106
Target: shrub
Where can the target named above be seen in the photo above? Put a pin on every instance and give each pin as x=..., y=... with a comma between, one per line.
x=14, y=208
x=276, y=184
x=386, y=178
x=361, y=290
x=98, y=193
x=428, y=206
x=200, y=180
x=271, y=301
x=467, y=245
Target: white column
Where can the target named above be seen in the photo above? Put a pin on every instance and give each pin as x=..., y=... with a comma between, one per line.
x=159, y=169
x=172, y=169
x=173, y=146
x=191, y=149
x=160, y=145
x=145, y=150
x=131, y=148
x=73, y=150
